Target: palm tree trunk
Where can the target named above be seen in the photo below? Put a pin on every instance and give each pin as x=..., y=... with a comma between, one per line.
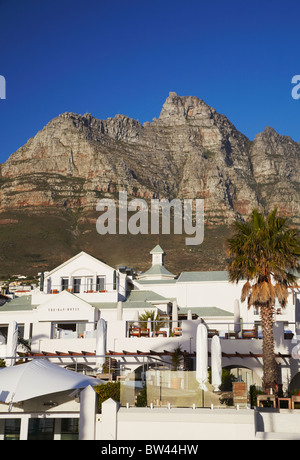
x=269, y=363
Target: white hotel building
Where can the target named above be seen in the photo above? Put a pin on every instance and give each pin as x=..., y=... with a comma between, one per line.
x=59, y=318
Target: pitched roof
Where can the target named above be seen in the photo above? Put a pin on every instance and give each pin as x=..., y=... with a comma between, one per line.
x=203, y=276
x=145, y=296
x=22, y=303
x=157, y=250
x=113, y=305
x=204, y=312
x=165, y=281
x=82, y=253
x=157, y=269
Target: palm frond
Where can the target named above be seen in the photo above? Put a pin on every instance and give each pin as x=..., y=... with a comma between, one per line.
x=245, y=291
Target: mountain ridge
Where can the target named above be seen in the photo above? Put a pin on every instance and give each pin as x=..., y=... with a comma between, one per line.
x=189, y=151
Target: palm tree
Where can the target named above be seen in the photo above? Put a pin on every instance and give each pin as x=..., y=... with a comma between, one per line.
x=265, y=252
x=156, y=322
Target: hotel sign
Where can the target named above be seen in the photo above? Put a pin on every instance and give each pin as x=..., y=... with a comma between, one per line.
x=60, y=309
x=55, y=309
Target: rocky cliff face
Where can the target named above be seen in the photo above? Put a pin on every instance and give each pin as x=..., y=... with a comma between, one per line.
x=190, y=151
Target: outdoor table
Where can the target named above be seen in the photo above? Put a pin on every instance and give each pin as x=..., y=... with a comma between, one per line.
x=270, y=398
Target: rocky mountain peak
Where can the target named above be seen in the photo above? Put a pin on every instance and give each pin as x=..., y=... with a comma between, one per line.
x=191, y=151
x=182, y=109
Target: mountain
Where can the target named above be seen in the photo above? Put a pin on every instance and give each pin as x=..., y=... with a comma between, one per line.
x=51, y=185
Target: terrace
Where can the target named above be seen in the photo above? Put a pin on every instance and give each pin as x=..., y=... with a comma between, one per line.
x=164, y=327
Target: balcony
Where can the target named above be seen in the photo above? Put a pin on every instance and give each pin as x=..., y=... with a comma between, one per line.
x=83, y=288
x=225, y=331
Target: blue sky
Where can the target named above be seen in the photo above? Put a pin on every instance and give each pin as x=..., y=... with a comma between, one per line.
x=109, y=57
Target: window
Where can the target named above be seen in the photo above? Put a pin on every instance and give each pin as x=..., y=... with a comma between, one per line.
x=12, y=429
x=69, y=330
x=89, y=284
x=41, y=429
x=76, y=285
x=3, y=335
x=69, y=429
x=100, y=286
x=64, y=284
x=21, y=330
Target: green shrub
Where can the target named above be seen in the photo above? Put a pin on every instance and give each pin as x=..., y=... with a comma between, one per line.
x=141, y=400
x=106, y=391
x=253, y=393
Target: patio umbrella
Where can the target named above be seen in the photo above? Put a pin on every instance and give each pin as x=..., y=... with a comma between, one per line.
x=12, y=343
x=101, y=344
x=216, y=363
x=237, y=317
x=39, y=377
x=202, y=357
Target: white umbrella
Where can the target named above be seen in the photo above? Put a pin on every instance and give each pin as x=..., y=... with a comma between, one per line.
x=12, y=343
x=39, y=377
x=237, y=317
x=101, y=344
x=202, y=356
x=216, y=363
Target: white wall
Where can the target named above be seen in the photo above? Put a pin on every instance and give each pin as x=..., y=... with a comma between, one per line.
x=84, y=266
x=178, y=424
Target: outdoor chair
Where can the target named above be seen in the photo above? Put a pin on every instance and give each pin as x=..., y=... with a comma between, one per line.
x=135, y=332
x=295, y=399
x=249, y=333
x=212, y=332
x=267, y=398
x=231, y=335
x=177, y=331
x=288, y=335
x=145, y=332
x=160, y=333
x=288, y=400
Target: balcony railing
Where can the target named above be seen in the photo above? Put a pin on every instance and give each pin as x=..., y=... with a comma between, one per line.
x=81, y=289
x=231, y=330
x=161, y=328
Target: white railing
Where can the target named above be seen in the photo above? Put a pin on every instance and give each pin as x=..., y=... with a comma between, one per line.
x=83, y=288
x=159, y=328
x=224, y=330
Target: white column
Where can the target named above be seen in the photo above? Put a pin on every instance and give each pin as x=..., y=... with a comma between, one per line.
x=24, y=428
x=2, y=426
x=109, y=420
x=87, y=419
x=119, y=311
x=57, y=429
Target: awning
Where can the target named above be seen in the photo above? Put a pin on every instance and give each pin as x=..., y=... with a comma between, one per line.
x=39, y=377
